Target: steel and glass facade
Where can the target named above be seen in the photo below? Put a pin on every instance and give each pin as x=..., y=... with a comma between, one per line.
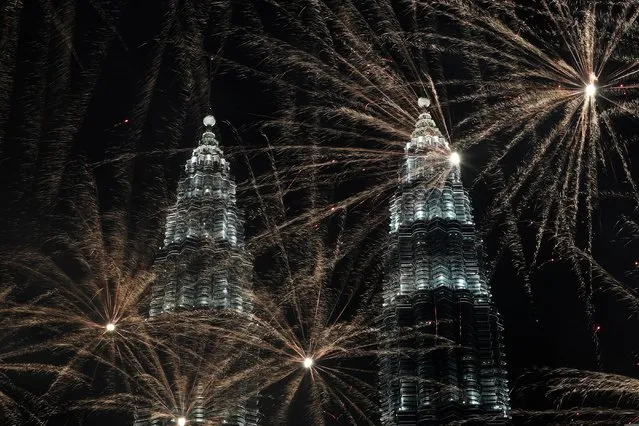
x=203, y=263
x=436, y=286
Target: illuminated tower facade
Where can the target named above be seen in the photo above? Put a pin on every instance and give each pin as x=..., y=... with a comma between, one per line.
x=203, y=263
x=435, y=285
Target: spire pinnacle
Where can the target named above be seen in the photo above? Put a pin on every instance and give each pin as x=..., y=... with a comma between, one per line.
x=423, y=102
x=209, y=120
x=426, y=132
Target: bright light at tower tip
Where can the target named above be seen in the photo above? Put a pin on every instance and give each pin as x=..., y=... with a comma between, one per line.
x=181, y=421
x=308, y=362
x=454, y=158
x=110, y=327
x=591, y=90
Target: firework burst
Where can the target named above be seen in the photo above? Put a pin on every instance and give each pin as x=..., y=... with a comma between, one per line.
x=313, y=320
x=544, y=90
x=558, y=85
x=542, y=96
x=77, y=301
x=192, y=377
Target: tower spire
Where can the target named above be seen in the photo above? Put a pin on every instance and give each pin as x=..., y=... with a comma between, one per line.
x=426, y=133
x=208, y=96
x=435, y=281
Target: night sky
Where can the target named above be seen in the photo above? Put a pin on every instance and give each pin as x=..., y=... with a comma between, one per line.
x=117, y=90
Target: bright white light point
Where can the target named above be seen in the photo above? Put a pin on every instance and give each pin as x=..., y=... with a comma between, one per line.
x=209, y=120
x=423, y=102
x=308, y=362
x=181, y=421
x=454, y=158
x=110, y=327
x=591, y=90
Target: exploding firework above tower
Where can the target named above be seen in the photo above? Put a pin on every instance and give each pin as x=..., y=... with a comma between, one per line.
x=436, y=283
x=203, y=263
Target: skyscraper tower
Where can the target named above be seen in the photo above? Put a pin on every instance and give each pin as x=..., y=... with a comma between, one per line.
x=435, y=283
x=203, y=263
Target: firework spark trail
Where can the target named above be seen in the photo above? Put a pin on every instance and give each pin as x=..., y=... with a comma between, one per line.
x=53, y=78
x=16, y=404
x=543, y=81
x=76, y=321
x=582, y=396
x=194, y=375
x=350, y=89
x=562, y=101
x=78, y=302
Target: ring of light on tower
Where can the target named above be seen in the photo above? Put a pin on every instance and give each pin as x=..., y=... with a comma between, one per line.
x=308, y=362
x=591, y=90
x=454, y=158
x=181, y=421
x=110, y=327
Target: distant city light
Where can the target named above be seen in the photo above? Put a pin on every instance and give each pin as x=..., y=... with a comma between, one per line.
x=181, y=421
x=454, y=158
x=110, y=327
x=308, y=362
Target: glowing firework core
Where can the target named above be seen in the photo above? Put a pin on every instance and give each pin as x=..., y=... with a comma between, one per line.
x=423, y=102
x=454, y=158
x=110, y=327
x=308, y=362
x=591, y=90
x=181, y=421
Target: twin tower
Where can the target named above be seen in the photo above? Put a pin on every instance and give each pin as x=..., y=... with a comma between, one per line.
x=435, y=283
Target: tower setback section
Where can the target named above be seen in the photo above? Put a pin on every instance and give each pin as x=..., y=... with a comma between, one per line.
x=203, y=263
x=448, y=363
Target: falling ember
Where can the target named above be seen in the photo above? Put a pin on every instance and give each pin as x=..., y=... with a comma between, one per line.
x=308, y=362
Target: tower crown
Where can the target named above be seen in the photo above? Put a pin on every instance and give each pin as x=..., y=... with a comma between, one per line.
x=208, y=136
x=435, y=279
x=206, y=207
x=426, y=134
x=208, y=154
x=427, y=151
